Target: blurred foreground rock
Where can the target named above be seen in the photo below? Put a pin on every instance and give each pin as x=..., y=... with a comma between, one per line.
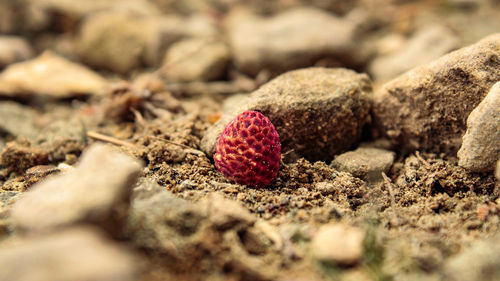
x=338, y=244
x=292, y=39
x=50, y=75
x=480, y=148
x=76, y=254
x=318, y=112
x=97, y=191
x=214, y=235
x=427, y=107
x=481, y=261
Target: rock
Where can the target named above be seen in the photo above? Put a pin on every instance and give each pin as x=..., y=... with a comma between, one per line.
x=156, y=218
x=195, y=60
x=63, y=137
x=49, y=75
x=318, y=112
x=426, y=45
x=481, y=261
x=18, y=120
x=338, y=244
x=166, y=30
x=226, y=214
x=13, y=49
x=96, y=192
x=365, y=163
x=480, y=148
x=295, y=38
x=161, y=217
x=212, y=235
x=427, y=107
x=141, y=40
x=104, y=33
x=18, y=157
x=72, y=255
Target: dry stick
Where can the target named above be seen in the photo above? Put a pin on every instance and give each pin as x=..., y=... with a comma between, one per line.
x=419, y=157
x=104, y=138
x=388, y=184
x=187, y=148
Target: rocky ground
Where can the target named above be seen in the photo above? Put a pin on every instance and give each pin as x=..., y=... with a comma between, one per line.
x=388, y=113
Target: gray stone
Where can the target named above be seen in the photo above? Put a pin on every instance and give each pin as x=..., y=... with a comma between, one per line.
x=481, y=261
x=426, y=108
x=426, y=45
x=96, y=192
x=480, y=148
x=318, y=112
x=13, y=49
x=292, y=39
x=50, y=75
x=75, y=254
x=195, y=59
x=338, y=244
x=365, y=163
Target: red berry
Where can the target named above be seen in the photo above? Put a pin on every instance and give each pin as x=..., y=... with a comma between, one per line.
x=249, y=150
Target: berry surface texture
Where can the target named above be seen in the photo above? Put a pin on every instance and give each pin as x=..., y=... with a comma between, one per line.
x=249, y=150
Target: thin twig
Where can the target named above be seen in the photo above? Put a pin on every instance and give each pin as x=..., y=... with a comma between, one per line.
x=419, y=157
x=104, y=138
x=139, y=118
x=187, y=148
x=388, y=184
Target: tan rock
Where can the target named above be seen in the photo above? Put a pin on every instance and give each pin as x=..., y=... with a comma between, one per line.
x=96, y=192
x=480, y=148
x=76, y=254
x=365, y=162
x=291, y=39
x=49, y=75
x=426, y=108
x=195, y=59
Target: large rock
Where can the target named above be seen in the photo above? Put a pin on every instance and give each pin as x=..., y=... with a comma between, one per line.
x=338, y=244
x=50, y=75
x=292, y=39
x=480, y=148
x=96, y=192
x=318, y=112
x=13, y=49
x=427, y=107
x=426, y=45
x=73, y=255
x=195, y=59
